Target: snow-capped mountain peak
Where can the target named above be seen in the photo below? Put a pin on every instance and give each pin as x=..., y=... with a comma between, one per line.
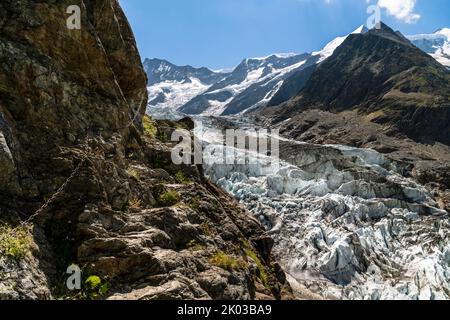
x=202, y=91
x=172, y=86
x=360, y=30
x=444, y=32
x=436, y=44
x=329, y=49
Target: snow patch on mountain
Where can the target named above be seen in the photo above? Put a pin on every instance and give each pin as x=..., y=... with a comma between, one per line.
x=252, y=82
x=174, y=94
x=278, y=55
x=253, y=76
x=329, y=49
x=257, y=76
x=436, y=44
x=444, y=31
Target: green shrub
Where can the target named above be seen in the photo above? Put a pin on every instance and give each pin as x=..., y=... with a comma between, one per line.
x=169, y=198
x=149, y=127
x=195, y=246
x=262, y=271
x=135, y=203
x=95, y=287
x=133, y=173
x=161, y=136
x=194, y=203
x=180, y=177
x=15, y=242
x=224, y=261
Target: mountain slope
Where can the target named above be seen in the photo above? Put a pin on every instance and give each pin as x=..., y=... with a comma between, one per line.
x=381, y=74
x=202, y=91
x=298, y=80
x=436, y=44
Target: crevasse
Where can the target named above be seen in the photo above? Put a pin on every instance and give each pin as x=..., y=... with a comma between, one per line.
x=346, y=223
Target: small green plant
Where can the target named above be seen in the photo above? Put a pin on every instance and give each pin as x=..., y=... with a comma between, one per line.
x=180, y=177
x=161, y=136
x=169, y=198
x=95, y=287
x=135, y=203
x=194, y=203
x=224, y=261
x=133, y=173
x=262, y=271
x=195, y=246
x=149, y=127
x=15, y=242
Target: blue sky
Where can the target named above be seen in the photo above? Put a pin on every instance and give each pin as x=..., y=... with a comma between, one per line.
x=220, y=33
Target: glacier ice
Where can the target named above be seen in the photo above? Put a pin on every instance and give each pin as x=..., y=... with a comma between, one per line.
x=346, y=223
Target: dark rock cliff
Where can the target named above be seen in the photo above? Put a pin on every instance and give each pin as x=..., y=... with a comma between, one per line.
x=98, y=185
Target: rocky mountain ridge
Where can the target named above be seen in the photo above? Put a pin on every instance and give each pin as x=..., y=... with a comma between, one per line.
x=382, y=75
x=202, y=91
x=251, y=83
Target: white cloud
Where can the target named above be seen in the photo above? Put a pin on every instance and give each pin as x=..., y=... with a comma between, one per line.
x=401, y=9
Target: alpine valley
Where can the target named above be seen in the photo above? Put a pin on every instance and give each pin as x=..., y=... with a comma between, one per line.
x=355, y=207
x=359, y=205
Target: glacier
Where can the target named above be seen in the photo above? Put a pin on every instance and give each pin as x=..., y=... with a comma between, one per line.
x=346, y=223
x=175, y=93
x=436, y=44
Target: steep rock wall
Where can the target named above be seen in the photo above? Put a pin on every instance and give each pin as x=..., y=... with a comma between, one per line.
x=100, y=190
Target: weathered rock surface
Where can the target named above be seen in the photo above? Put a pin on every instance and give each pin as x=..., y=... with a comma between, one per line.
x=71, y=109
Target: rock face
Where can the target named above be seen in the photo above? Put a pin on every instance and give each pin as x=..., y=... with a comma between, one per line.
x=73, y=150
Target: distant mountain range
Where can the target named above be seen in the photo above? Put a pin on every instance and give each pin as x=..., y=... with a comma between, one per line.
x=202, y=91
x=256, y=82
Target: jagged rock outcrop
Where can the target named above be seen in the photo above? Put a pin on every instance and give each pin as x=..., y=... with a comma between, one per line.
x=99, y=186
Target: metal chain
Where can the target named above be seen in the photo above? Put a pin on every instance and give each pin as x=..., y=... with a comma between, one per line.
x=61, y=189
x=85, y=154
